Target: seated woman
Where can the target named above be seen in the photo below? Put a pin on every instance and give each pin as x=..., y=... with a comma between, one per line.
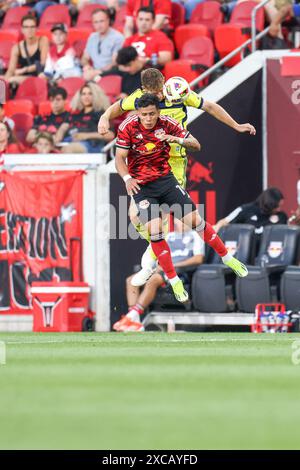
x=28, y=57
x=81, y=132
x=8, y=143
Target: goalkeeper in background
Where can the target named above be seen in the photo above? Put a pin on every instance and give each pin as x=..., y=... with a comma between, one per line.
x=153, y=82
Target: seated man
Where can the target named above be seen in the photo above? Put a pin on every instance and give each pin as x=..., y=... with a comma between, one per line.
x=187, y=249
x=162, y=10
x=51, y=122
x=152, y=46
x=102, y=45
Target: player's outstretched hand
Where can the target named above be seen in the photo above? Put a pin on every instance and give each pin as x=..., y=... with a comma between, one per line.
x=132, y=186
x=246, y=128
x=103, y=125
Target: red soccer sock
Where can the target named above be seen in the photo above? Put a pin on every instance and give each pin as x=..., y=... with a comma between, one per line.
x=210, y=237
x=162, y=252
x=137, y=308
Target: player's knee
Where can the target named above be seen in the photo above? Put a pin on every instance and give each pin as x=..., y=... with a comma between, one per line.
x=155, y=280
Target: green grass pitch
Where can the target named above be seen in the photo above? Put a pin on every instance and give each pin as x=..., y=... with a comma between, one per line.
x=150, y=391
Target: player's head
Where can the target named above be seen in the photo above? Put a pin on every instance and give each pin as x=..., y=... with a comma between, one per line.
x=148, y=109
x=145, y=20
x=153, y=82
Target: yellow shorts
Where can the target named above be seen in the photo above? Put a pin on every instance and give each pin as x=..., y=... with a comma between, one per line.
x=178, y=166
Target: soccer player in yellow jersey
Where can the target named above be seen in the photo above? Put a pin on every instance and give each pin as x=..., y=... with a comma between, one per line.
x=152, y=82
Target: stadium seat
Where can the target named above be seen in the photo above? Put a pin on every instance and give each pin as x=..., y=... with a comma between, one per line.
x=45, y=107
x=177, y=15
x=289, y=288
x=44, y=32
x=79, y=47
x=19, y=106
x=23, y=122
x=181, y=67
x=207, y=14
x=6, y=46
x=55, y=14
x=120, y=18
x=187, y=31
x=227, y=38
x=34, y=89
x=242, y=14
x=85, y=15
x=77, y=34
x=111, y=85
x=71, y=85
x=279, y=248
x=200, y=50
x=213, y=282
x=9, y=35
x=13, y=17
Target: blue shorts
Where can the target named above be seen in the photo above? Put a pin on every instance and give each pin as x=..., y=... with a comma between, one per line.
x=296, y=10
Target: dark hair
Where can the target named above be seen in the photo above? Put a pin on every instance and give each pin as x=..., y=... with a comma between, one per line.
x=57, y=91
x=147, y=100
x=109, y=12
x=11, y=138
x=126, y=55
x=146, y=10
x=269, y=200
x=29, y=16
x=45, y=135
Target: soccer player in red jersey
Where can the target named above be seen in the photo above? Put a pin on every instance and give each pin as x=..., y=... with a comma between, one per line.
x=142, y=161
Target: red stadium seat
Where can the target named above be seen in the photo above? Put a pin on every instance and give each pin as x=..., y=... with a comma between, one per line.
x=76, y=34
x=45, y=108
x=208, y=14
x=44, y=32
x=71, y=85
x=5, y=49
x=18, y=106
x=182, y=68
x=201, y=52
x=34, y=89
x=120, y=18
x=9, y=35
x=242, y=14
x=188, y=31
x=227, y=38
x=177, y=15
x=13, y=17
x=111, y=85
x=85, y=15
x=23, y=122
x=55, y=14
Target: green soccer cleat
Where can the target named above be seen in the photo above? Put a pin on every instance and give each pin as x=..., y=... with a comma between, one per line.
x=237, y=267
x=180, y=293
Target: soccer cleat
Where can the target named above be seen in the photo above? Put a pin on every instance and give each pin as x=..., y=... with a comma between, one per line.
x=149, y=263
x=237, y=267
x=126, y=324
x=180, y=293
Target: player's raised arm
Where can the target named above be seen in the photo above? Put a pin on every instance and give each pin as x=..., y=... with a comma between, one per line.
x=189, y=142
x=112, y=112
x=219, y=113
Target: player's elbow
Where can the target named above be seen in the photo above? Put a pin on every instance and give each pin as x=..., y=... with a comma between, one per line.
x=197, y=146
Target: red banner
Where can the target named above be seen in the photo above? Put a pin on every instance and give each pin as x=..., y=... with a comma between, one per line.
x=40, y=233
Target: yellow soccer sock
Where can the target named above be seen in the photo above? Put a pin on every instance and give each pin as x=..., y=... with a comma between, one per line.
x=141, y=229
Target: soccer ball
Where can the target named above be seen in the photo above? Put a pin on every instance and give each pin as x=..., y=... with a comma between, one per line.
x=176, y=90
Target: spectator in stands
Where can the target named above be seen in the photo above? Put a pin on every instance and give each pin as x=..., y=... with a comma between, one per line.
x=6, y=119
x=102, y=45
x=162, y=10
x=44, y=143
x=61, y=61
x=28, y=57
x=80, y=132
x=8, y=143
x=129, y=67
x=285, y=8
x=153, y=46
x=266, y=210
x=187, y=250
x=109, y=3
x=51, y=122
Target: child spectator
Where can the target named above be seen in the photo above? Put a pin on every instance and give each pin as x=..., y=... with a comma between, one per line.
x=51, y=122
x=81, y=131
x=44, y=143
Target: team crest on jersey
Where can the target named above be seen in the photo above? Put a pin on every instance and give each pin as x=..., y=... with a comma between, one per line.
x=144, y=204
x=275, y=249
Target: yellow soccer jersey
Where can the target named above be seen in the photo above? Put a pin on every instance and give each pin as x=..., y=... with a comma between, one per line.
x=175, y=111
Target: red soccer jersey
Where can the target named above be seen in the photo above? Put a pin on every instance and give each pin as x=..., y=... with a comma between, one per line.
x=151, y=43
x=148, y=156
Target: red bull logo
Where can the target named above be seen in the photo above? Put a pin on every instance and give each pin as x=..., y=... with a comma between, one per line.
x=198, y=173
